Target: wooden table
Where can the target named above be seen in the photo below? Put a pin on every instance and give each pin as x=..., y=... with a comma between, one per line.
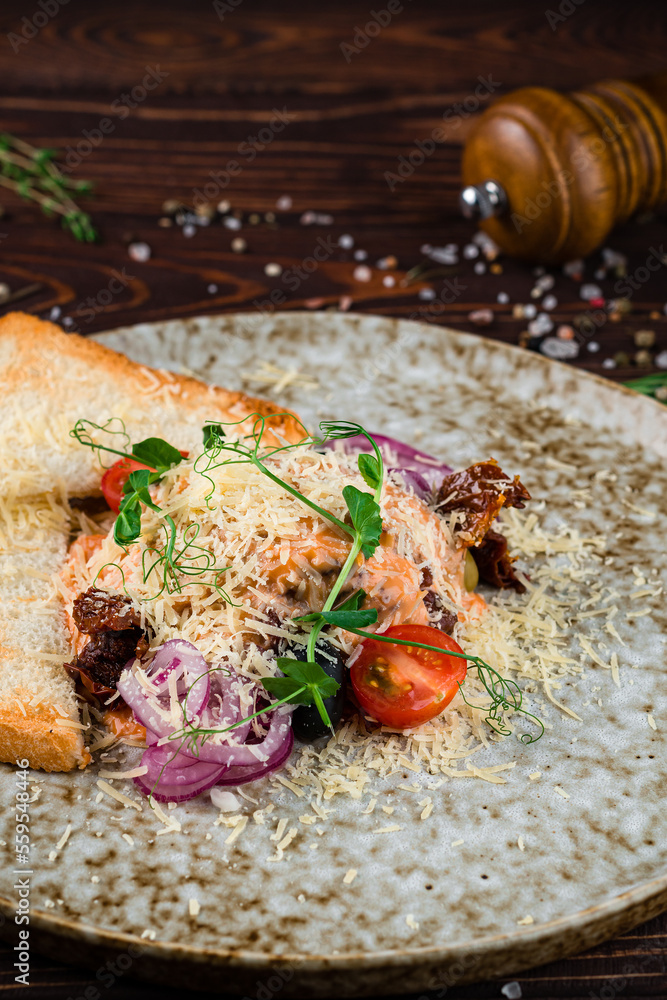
x=209, y=88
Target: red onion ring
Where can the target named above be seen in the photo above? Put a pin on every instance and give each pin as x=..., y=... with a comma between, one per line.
x=173, y=655
x=178, y=653
x=177, y=770
x=242, y=775
x=408, y=459
x=250, y=754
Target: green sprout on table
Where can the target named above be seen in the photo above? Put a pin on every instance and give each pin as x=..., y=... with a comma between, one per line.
x=33, y=174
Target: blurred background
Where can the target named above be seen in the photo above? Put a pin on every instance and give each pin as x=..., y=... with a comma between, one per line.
x=229, y=141
x=249, y=156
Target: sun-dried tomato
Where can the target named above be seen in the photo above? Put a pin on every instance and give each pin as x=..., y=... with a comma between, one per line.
x=479, y=492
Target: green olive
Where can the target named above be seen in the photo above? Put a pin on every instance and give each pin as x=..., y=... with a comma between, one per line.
x=470, y=573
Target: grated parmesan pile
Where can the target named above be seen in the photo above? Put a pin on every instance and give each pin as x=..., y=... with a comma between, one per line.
x=525, y=637
x=277, y=556
x=253, y=526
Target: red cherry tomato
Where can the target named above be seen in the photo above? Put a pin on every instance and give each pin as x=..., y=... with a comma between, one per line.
x=404, y=686
x=116, y=476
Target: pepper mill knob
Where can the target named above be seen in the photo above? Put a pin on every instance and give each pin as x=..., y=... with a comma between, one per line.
x=481, y=201
x=548, y=175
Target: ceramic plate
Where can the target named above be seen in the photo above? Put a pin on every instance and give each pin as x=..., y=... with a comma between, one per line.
x=593, y=860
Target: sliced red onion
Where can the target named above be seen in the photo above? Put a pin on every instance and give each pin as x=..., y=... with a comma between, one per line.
x=225, y=689
x=176, y=781
x=146, y=712
x=400, y=457
x=177, y=769
x=250, y=754
x=173, y=776
x=415, y=481
x=242, y=775
x=179, y=656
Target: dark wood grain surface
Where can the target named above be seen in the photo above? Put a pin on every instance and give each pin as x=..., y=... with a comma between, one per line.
x=219, y=81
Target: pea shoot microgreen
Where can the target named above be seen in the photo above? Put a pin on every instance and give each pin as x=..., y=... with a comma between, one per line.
x=303, y=682
x=171, y=561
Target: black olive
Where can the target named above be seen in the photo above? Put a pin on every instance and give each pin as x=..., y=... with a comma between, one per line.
x=306, y=720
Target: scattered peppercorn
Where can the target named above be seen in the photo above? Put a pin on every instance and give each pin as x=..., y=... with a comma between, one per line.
x=644, y=338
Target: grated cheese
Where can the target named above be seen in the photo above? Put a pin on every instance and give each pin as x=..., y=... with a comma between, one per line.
x=248, y=521
x=65, y=837
x=350, y=876
x=134, y=772
x=427, y=803
x=237, y=831
x=118, y=796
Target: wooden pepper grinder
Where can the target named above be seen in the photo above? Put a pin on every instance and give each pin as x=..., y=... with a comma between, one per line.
x=548, y=175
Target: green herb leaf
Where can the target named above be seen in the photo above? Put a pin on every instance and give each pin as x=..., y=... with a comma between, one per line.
x=159, y=454
x=285, y=687
x=341, y=618
x=366, y=518
x=308, y=672
x=212, y=434
x=369, y=467
x=137, y=485
x=353, y=602
x=301, y=673
x=334, y=430
x=127, y=526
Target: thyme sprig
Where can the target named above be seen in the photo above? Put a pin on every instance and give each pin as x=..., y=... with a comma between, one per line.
x=33, y=174
x=654, y=385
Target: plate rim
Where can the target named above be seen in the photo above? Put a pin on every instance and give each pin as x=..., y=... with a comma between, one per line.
x=591, y=922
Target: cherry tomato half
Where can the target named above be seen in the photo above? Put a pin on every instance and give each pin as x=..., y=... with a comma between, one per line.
x=116, y=476
x=403, y=686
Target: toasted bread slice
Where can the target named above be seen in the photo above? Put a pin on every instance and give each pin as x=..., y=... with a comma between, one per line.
x=39, y=714
x=48, y=381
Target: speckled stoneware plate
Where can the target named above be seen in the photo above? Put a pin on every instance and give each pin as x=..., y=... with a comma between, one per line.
x=592, y=865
